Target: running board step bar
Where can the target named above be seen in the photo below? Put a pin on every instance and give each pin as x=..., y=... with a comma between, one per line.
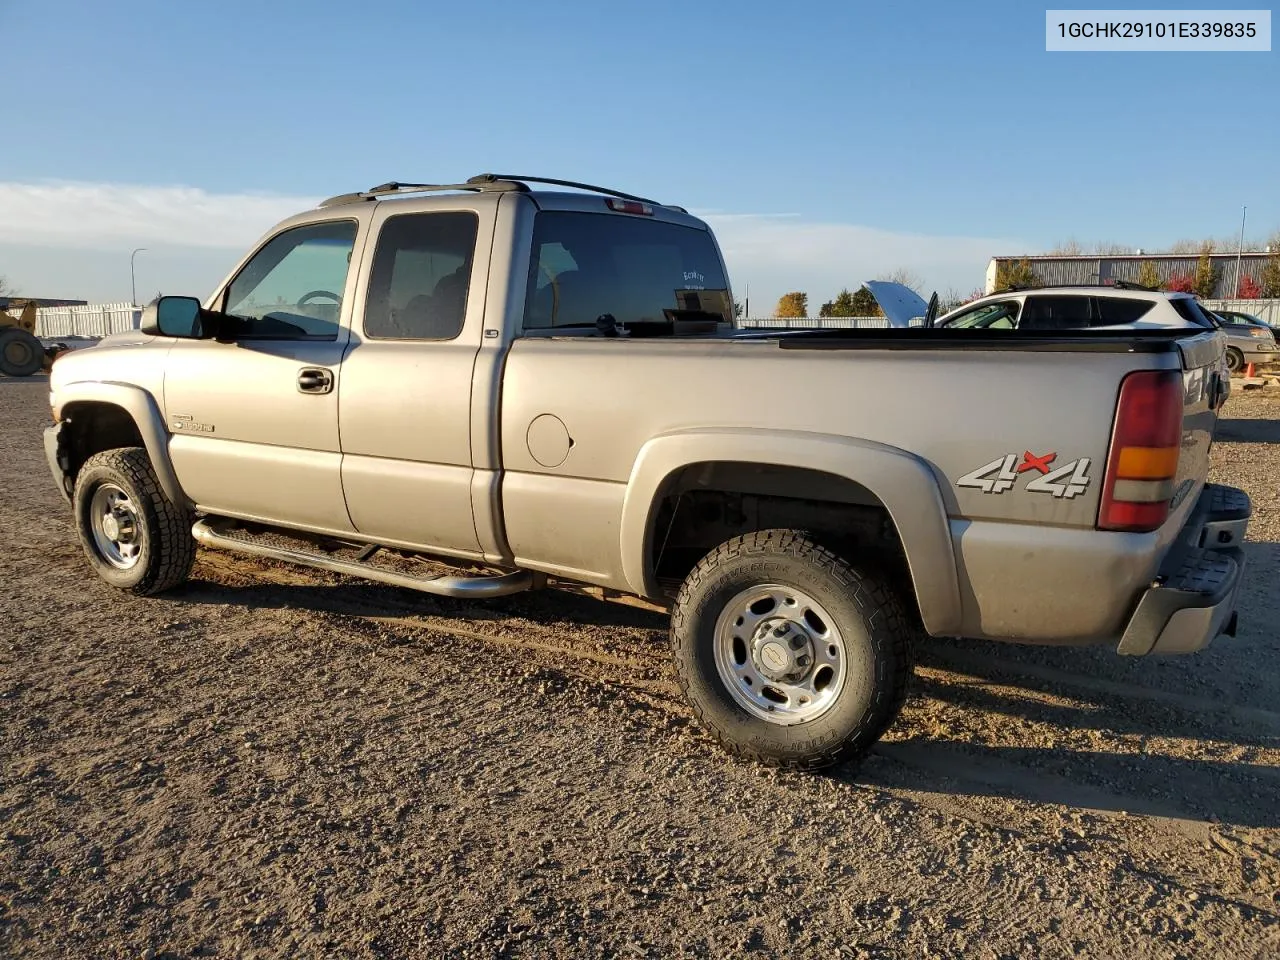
x=476, y=588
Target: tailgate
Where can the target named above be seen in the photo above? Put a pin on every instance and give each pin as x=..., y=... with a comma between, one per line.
x=1206, y=383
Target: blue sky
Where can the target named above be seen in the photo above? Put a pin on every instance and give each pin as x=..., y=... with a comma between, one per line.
x=826, y=142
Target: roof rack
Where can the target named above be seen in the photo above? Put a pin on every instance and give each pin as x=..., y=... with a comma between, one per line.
x=484, y=178
x=1114, y=284
x=484, y=183
x=394, y=187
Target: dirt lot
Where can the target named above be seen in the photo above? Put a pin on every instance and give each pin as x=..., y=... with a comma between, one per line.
x=271, y=763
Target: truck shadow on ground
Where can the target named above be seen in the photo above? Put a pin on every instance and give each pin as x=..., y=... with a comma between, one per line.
x=1175, y=788
x=1006, y=690
x=1247, y=431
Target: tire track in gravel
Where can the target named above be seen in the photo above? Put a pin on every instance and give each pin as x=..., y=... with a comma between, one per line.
x=649, y=685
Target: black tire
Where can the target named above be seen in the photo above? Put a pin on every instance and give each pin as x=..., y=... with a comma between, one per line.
x=165, y=549
x=867, y=614
x=1235, y=360
x=21, y=354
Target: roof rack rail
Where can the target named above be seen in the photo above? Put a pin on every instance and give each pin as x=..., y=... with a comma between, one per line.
x=1114, y=284
x=486, y=183
x=483, y=178
x=394, y=187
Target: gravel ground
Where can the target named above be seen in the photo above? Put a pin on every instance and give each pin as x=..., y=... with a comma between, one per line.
x=275, y=763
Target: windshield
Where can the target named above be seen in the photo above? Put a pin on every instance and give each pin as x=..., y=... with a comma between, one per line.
x=585, y=265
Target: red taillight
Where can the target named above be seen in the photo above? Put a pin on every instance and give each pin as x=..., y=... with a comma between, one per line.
x=630, y=206
x=1143, y=461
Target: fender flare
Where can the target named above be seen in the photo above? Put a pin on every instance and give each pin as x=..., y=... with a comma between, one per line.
x=141, y=406
x=903, y=482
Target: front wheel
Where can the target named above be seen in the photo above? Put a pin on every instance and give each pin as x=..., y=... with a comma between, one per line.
x=135, y=538
x=789, y=655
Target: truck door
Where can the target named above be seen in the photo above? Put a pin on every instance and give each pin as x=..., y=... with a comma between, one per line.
x=254, y=419
x=405, y=414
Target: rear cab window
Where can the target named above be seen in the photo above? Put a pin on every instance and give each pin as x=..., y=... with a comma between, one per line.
x=636, y=269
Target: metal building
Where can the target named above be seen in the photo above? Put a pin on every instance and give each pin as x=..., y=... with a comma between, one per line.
x=1093, y=269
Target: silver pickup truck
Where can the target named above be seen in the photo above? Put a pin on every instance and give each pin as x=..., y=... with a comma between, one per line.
x=540, y=382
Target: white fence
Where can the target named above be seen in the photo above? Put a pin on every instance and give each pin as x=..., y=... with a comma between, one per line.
x=1268, y=311
x=88, y=320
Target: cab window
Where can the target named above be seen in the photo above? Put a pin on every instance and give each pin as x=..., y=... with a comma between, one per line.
x=636, y=269
x=420, y=278
x=292, y=288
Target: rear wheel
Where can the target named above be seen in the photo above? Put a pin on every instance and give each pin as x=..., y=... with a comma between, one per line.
x=135, y=538
x=1235, y=360
x=21, y=354
x=789, y=655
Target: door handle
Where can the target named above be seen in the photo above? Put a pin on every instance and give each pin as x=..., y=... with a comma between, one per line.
x=315, y=380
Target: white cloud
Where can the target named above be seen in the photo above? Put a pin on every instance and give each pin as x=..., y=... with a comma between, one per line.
x=108, y=215
x=67, y=229
x=774, y=253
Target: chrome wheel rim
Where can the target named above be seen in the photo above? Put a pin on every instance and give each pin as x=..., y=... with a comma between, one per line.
x=780, y=654
x=116, y=526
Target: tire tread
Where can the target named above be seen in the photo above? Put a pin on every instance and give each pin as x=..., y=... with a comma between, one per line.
x=173, y=549
x=869, y=593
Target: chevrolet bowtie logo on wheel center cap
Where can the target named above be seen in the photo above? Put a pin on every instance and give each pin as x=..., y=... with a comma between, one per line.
x=775, y=656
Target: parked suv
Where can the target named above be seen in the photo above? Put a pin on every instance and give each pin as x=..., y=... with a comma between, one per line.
x=1079, y=307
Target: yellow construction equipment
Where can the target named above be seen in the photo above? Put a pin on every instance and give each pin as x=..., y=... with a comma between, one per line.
x=21, y=353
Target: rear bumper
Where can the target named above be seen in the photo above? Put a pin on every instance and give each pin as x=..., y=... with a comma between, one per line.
x=1262, y=353
x=1193, y=598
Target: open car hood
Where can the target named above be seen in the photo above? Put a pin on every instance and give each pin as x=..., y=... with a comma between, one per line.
x=899, y=302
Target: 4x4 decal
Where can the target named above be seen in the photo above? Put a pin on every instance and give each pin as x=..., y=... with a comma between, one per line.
x=1067, y=481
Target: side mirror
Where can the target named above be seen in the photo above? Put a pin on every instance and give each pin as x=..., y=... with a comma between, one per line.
x=173, y=317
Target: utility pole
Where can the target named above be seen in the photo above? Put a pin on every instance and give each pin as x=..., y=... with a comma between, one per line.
x=1244, y=211
x=133, y=283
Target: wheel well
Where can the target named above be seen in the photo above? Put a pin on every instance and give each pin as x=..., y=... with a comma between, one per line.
x=90, y=428
x=703, y=505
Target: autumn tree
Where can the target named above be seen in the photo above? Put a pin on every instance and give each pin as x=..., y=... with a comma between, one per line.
x=793, y=304
x=1180, y=283
x=1018, y=274
x=1249, y=288
x=1148, y=275
x=863, y=304
x=1271, y=272
x=1206, y=279
x=851, y=304
x=5, y=289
